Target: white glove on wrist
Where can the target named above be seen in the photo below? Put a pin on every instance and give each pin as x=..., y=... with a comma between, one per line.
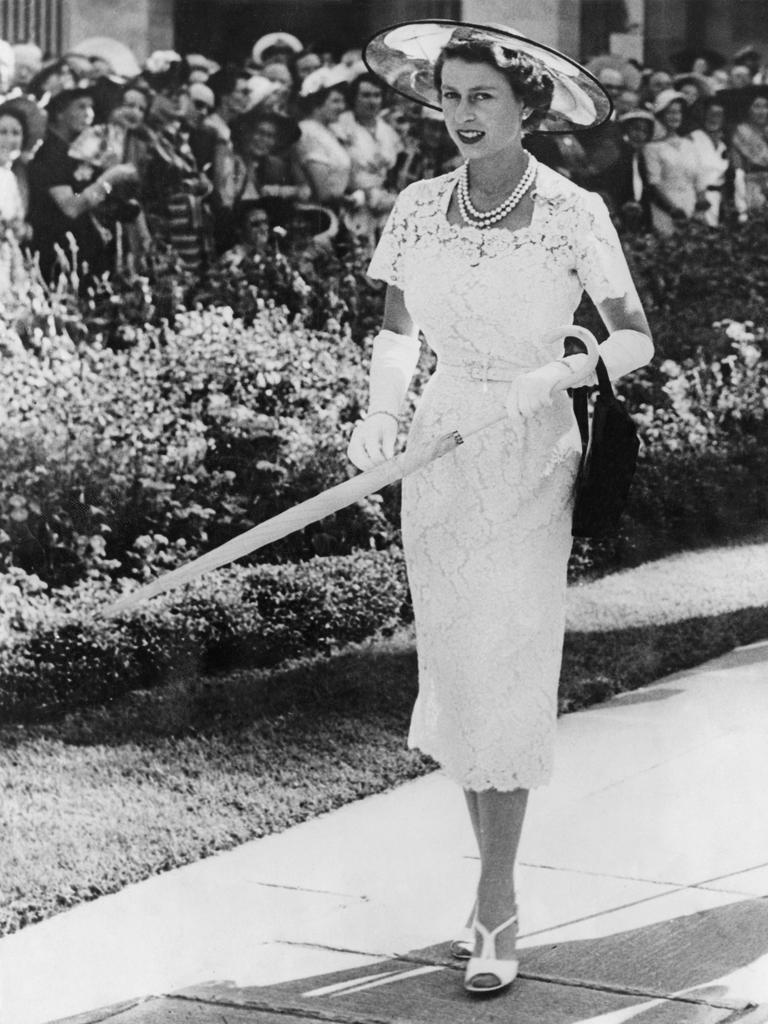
x=532, y=392
x=625, y=351
x=393, y=363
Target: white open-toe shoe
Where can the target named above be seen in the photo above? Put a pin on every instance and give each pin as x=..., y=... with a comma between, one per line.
x=487, y=964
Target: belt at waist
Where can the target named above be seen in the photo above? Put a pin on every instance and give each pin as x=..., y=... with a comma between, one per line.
x=482, y=371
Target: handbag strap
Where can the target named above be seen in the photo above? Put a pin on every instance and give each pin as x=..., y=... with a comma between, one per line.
x=580, y=402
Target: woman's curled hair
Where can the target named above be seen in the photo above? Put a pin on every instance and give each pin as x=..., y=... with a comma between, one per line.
x=530, y=81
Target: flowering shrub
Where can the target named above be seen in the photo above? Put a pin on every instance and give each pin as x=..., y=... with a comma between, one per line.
x=320, y=287
x=131, y=461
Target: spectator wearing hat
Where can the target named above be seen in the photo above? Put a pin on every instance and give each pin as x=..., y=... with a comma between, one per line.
x=740, y=77
x=306, y=62
x=655, y=83
x=262, y=170
x=232, y=94
x=674, y=180
x=373, y=146
x=320, y=156
x=624, y=185
x=201, y=68
x=283, y=96
x=714, y=158
x=750, y=153
x=14, y=229
x=175, y=189
x=752, y=59
x=28, y=61
x=275, y=46
x=64, y=192
x=696, y=89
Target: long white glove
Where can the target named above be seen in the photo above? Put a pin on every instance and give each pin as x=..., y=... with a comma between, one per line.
x=393, y=363
x=625, y=351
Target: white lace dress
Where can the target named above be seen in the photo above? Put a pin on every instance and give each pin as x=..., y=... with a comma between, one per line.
x=487, y=528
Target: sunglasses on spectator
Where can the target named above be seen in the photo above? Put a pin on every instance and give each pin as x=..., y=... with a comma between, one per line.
x=201, y=105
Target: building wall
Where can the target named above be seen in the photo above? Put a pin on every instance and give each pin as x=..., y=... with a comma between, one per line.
x=540, y=21
x=143, y=25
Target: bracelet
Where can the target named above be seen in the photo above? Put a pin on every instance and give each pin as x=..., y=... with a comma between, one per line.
x=382, y=412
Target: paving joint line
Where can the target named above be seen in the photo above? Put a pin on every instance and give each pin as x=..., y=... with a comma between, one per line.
x=321, y=892
x=409, y=958
x=284, y=1010
x=677, y=886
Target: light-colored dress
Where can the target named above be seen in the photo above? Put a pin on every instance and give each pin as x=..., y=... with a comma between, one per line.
x=673, y=167
x=714, y=163
x=487, y=528
x=318, y=146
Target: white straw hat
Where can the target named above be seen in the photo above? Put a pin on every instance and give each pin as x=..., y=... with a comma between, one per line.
x=324, y=78
x=404, y=56
x=284, y=40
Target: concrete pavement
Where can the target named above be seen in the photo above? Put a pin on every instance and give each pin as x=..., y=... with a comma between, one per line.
x=643, y=882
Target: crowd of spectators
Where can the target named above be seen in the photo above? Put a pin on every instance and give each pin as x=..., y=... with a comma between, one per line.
x=102, y=159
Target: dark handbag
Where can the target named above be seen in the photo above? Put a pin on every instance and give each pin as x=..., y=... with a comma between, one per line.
x=608, y=460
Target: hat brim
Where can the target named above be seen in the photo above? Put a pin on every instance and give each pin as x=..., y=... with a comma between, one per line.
x=404, y=57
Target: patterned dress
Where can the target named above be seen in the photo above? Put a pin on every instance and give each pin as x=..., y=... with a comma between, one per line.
x=487, y=528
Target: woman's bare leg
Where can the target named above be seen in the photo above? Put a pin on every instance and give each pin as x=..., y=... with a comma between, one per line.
x=474, y=816
x=500, y=819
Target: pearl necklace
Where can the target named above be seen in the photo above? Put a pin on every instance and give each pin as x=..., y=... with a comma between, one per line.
x=484, y=219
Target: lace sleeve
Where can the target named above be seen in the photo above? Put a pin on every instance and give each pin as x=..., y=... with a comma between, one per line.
x=600, y=262
x=387, y=261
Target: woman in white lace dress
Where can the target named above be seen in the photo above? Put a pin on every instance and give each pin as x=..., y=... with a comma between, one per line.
x=488, y=261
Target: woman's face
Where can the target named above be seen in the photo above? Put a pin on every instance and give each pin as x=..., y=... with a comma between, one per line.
x=262, y=139
x=134, y=107
x=332, y=107
x=483, y=114
x=758, y=111
x=672, y=117
x=690, y=92
x=11, y=139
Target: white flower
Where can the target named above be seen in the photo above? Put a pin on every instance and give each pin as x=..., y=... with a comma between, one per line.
x=670, y=368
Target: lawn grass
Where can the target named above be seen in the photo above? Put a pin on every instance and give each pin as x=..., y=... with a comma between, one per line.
x=113, y=795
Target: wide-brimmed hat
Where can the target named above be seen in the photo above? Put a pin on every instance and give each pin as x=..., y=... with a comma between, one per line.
x=120, y=57
x=404, y=56
x=702, y=84
x=667, y=97
x=61, y=100
x=637, y=115
x=325, y=78
x=275, y=40
x=287, y=129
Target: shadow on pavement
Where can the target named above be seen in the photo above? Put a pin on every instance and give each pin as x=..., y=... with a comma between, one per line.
x=673, y=972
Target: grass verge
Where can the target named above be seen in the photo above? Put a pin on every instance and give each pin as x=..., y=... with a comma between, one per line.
x=112, y=795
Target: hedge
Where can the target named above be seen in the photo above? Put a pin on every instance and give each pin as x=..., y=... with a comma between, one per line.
x=238, y=617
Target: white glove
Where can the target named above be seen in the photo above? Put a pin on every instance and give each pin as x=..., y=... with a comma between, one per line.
x=532, y=392
x=625, y=351
x=373, y=440
x=393, y=363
